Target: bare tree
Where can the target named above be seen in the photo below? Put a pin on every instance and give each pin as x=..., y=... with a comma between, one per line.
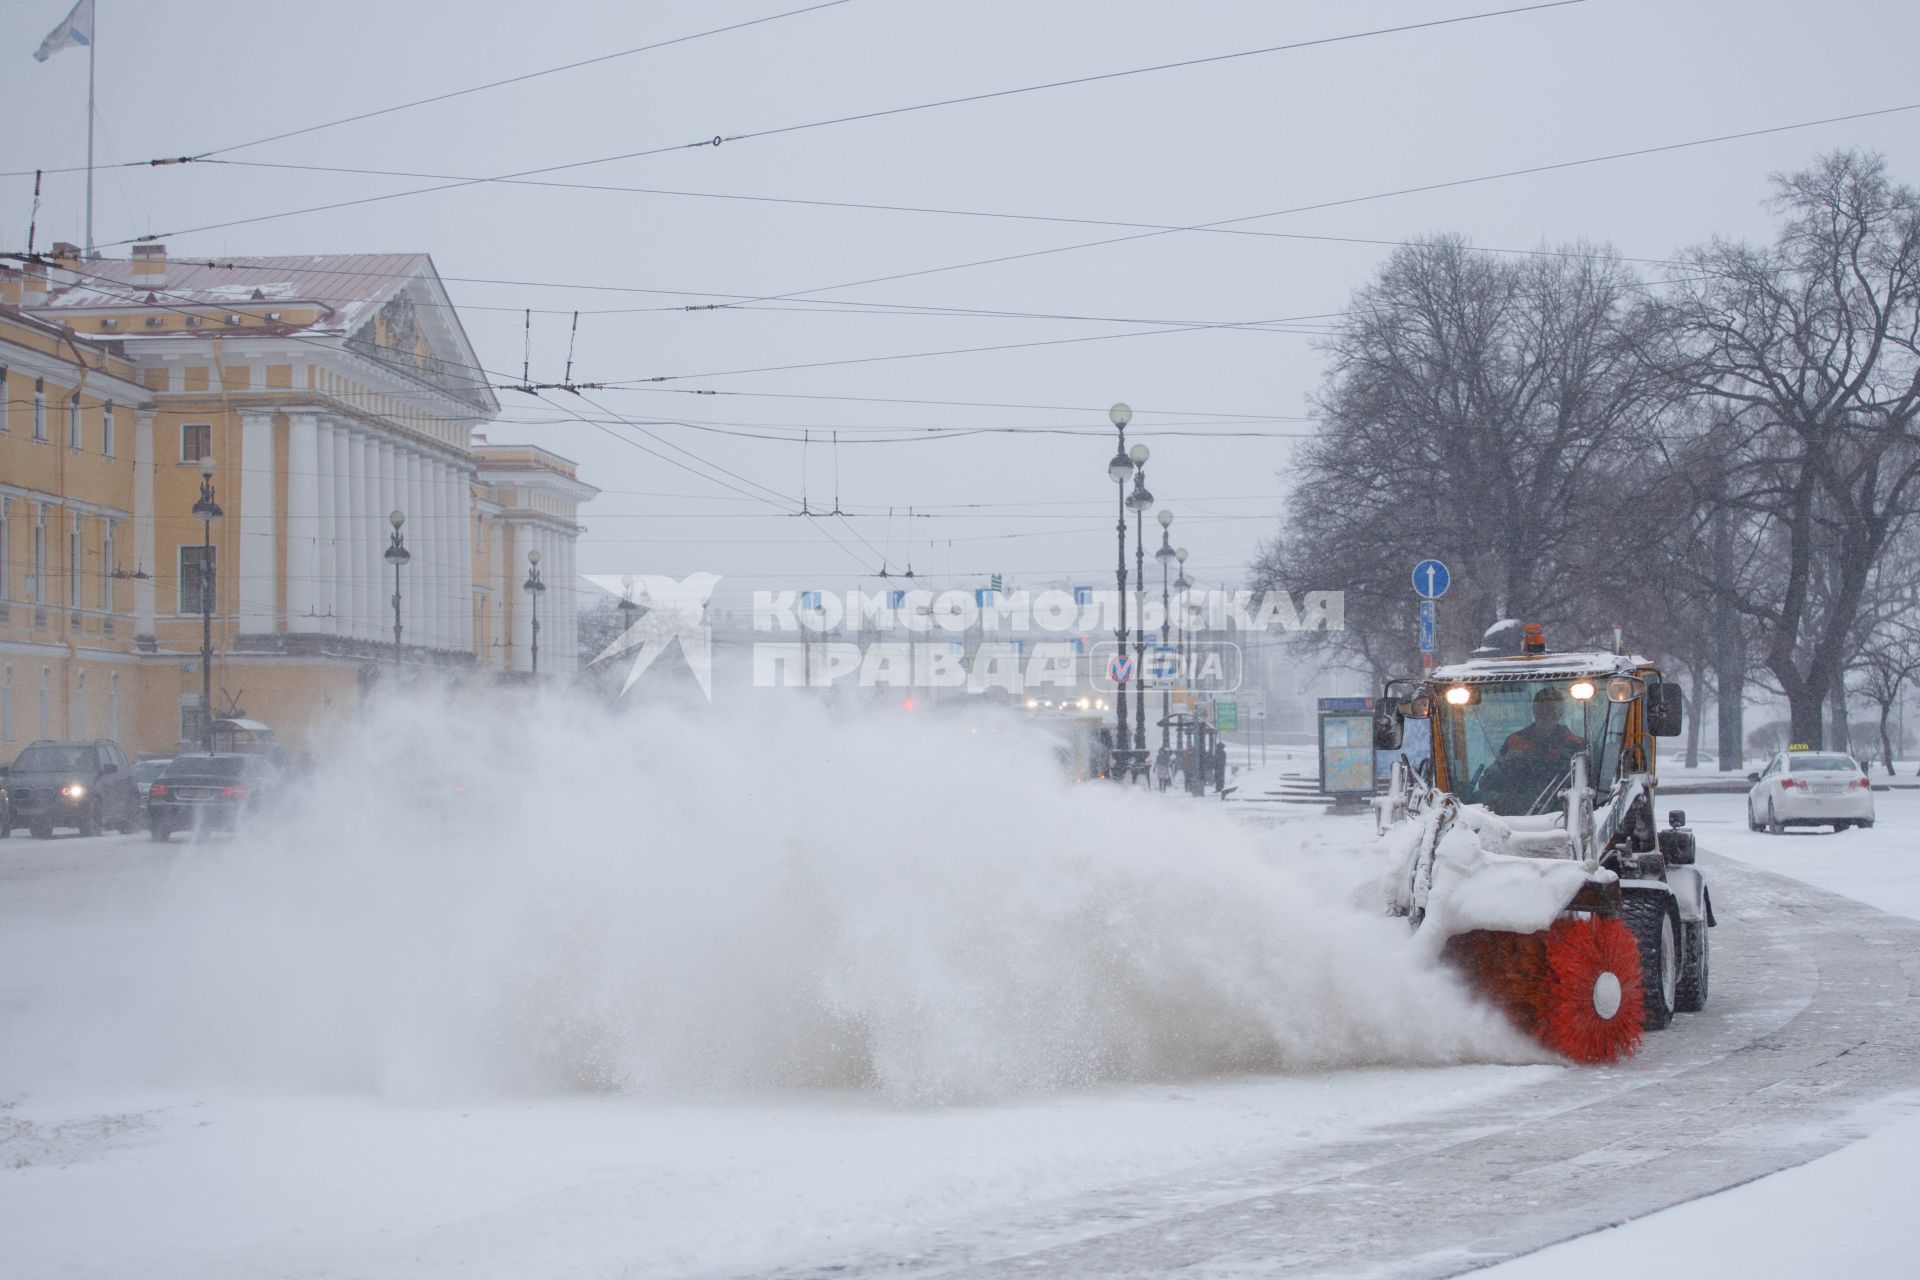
x=1480, y=410
x=1812, y=346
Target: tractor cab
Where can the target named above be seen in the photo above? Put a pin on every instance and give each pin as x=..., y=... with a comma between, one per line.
x=1507, y=732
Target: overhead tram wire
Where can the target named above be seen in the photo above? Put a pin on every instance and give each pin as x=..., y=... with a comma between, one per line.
x=456, y=93
x=1341, y=203
x=872, y=207
x=775, y=131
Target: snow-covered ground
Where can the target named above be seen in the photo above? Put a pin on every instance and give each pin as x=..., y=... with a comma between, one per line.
x=687, y=1000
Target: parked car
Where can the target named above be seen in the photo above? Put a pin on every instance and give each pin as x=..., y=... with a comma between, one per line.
x=208, y=792
x=85, y=785
x=1810, y=789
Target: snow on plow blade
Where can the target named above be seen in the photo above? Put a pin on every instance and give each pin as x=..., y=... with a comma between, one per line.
x=1538, y=932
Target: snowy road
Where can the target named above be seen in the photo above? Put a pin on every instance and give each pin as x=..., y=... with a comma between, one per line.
x=1398, y=1171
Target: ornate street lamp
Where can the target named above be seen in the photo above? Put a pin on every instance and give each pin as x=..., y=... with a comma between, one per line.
x=206, y=511
x=1191, y=727
x=1140, y=501
x=533, y=587
x=1165, y=555
x=397, y=555
x=1120, y=470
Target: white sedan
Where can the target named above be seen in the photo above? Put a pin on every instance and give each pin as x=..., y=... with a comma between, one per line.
x=1809, y=789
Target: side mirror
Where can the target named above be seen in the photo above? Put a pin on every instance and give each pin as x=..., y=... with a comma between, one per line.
x=1665, y=708
x=1387, y=729
x=1753, y=777
x=1676, y=817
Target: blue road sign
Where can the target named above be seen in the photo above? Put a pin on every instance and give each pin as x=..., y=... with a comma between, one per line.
x=1426, y=626
x=1430, y=579
x=1120, y=668
x=1163, y=664
x=896, y=599
x=1083, y=595
x=810, y=601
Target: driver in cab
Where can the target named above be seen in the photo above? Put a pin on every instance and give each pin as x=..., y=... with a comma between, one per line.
x=1547, y=742
x=1533, y=756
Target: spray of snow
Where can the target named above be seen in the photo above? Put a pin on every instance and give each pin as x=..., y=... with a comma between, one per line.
x=530, y=896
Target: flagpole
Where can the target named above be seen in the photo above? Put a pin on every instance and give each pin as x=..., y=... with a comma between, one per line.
x=93, y=42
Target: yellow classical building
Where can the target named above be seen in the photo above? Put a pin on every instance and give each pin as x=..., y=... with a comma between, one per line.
x=312, y=396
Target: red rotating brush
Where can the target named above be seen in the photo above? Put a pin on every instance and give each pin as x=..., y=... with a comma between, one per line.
x=1574, y=987
x=1590, y=1010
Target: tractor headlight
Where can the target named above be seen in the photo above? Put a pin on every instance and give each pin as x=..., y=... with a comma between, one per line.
x=1459, y=696
x=1580, y=690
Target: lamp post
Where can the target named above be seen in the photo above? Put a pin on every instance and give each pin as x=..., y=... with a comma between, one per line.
x=1140, y=501
x=397, y=555
x=533, y=587
x=1120, y=470
x=1165, y=556
x=1189, y=728
x=206, y=511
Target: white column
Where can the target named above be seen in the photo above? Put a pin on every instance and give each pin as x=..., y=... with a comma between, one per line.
x=447, y=540
x=303, y=521
x=360, y=516
x=323, y=542
x=569, y=602
x=433, y=602
x=143, y=556
x=463, y=553
x=550, y=650
x=258, y=533
x=342, y=538
x=417, y=575
x=502, y=634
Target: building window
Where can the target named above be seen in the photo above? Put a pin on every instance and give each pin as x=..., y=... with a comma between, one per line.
x=191, y=725
x=73, y=564
x=196, y=441
x=194, y=561
x=39, y=408
x=73, y=423
x=107, y=571
x=38, y=593
x=106, y=429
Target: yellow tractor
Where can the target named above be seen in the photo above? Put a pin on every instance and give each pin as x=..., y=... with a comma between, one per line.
x=1525, y=846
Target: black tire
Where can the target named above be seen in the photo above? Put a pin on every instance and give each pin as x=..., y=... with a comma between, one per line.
x=90, y=819
x=1774, y=826
x=1690, y=992
x=1752, y=824
x=159, y=833
x=41, y=830
x=1656, y=931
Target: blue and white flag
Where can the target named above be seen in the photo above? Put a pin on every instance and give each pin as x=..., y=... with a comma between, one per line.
x=77, y=29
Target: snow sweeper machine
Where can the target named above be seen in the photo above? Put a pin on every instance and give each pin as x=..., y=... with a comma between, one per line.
x=1526, y=849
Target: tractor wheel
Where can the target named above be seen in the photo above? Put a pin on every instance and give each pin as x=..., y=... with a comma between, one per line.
x=1656, y=933
x=1774, y=826
x=1690, y=992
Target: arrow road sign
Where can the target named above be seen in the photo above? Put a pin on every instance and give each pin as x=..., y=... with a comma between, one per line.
x=1430, y=579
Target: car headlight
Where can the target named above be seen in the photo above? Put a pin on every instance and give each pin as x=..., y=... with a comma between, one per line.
x=73, y=791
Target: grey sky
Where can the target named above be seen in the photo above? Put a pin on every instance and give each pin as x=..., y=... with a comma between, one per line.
x=1177, y=147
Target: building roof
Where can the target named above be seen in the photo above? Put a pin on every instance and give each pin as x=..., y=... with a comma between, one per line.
x=351, y=286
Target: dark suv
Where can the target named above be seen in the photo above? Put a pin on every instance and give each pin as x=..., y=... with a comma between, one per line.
x=208, y=792
x=88, y=785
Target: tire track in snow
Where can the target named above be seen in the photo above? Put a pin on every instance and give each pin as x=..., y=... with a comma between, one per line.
x=1815, y=1011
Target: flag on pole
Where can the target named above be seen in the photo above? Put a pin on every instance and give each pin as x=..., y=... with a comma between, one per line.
x=77, y=29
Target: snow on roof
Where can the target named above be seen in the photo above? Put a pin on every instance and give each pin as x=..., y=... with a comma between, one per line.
x=1544, y=666
x=350, y=285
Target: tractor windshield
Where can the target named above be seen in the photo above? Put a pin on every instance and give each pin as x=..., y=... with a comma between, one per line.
x=1510, y=746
